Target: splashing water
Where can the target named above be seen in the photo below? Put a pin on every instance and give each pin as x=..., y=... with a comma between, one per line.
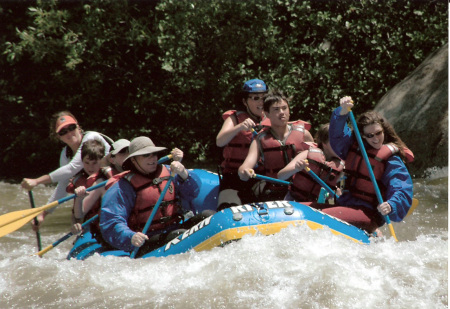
x=296, y=268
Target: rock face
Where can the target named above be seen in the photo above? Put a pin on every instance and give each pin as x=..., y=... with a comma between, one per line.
x=417, y=107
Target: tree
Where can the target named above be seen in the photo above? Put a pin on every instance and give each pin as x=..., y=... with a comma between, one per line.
x=168, y=69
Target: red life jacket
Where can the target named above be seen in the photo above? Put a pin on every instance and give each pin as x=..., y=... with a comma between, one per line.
x=304, y=187
x=236, y=150
x=358, y=177
x=276, y=154
x=83, y=180
x=147, y=194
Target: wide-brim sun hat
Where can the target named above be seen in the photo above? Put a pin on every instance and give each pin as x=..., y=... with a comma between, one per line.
x=118, y=145
x=63, y=121
x=142, y=145
x=255, y=86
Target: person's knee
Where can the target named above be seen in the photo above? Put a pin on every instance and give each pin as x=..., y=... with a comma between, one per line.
x=225, y=206
x=229, y=196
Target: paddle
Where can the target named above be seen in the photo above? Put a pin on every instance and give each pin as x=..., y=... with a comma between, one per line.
x=15, y=220
x=274, y=180
x=68, y=235
x=152, y=215
x=415, y=203
x=369, y=168
x=165, y=158
x=283, y=182
x=320, y=181
x=38, y=234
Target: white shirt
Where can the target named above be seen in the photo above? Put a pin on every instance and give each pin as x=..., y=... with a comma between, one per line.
x=71, y=166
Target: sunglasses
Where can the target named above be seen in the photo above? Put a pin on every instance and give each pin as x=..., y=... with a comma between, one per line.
x=370, y=135
x=256, y=98
x=67, y=129
x=148, y=155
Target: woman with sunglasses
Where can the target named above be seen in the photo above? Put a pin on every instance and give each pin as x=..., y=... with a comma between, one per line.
x=235, y=137
x=64, y=127
x=387, y=154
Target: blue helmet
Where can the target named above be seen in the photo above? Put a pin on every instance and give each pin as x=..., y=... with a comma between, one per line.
x=254, y=85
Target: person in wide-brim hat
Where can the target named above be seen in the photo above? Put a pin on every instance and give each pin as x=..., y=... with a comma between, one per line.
x=131, y=196
x=142, y=155
x=142, y=145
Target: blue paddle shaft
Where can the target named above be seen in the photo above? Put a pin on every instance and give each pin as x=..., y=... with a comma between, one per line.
x=320, y=181
x=152, y=215
x=274, y=180
x=366, y=159
x=164, y=159
x=68, y=235
x=67, y=198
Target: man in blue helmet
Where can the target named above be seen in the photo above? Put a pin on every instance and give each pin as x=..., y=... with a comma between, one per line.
x=236, y=135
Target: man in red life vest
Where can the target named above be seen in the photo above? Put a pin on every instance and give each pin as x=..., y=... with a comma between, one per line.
x=276, y=146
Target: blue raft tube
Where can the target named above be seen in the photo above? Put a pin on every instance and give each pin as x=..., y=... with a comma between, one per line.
x=229, y=224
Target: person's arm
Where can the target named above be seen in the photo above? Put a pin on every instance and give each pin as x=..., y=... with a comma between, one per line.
x=117, y=204
x=296, y=165
x=245, y=170
x=187, y=189
x=68, y=166
x=92, y=197
x=399, y=188
x=30, y=183
x=340, y=134
x=231, y=128
x=78, y=203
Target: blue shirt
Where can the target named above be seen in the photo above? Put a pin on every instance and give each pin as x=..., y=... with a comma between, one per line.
x=396, y=178
x=119, y=201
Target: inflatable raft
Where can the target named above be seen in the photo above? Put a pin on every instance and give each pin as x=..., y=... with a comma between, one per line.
x=230, y=224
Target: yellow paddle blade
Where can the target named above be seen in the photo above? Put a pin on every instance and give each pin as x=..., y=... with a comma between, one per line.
x=391, y=228
x=13, y=221
x=415, y=203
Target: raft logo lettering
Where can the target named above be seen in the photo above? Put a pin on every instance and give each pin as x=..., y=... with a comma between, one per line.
x=241, y=208
x=269, y=205
x=188, y=233
x=278, y=204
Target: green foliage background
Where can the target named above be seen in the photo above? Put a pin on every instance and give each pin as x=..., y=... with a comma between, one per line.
x=168, y=69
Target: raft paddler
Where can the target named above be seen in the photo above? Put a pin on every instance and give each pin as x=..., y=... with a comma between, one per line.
x=132, y=195
x=237, y=132
x=64, y=127
x=387, y=154
x=274, y=147
x=322, y=160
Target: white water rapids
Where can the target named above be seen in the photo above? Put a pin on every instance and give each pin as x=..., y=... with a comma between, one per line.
x=297, y=268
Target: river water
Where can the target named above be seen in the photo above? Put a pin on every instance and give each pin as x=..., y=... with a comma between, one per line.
x=297, y=268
